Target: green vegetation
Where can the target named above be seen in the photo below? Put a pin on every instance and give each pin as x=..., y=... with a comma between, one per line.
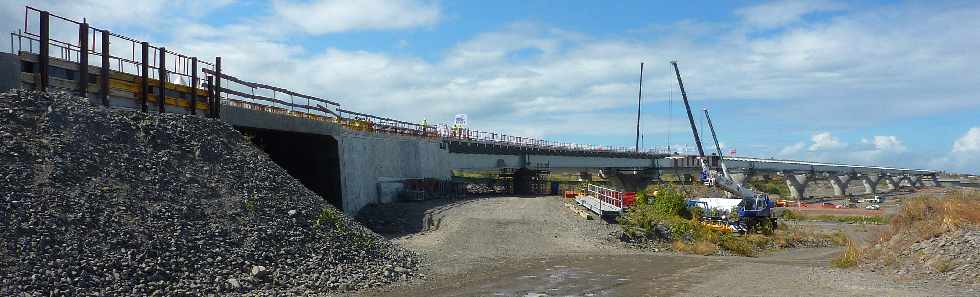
x=772, y=186
x=661, y=214
x=793, y=215
x=329, y=216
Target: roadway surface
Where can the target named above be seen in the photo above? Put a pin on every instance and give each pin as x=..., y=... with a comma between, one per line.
x=536, y=247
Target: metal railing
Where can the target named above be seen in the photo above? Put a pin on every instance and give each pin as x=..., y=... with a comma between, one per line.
x=146, y=62
x=607, y=195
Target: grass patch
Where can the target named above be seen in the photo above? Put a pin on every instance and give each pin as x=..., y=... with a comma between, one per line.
x=943, y=265
x=849, y=257
x=795, y=215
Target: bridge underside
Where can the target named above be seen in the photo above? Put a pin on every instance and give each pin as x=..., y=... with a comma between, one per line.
x=312, y=159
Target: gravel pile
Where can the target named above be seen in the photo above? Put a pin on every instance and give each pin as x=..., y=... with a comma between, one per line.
x=95, y=201
x=953, y=257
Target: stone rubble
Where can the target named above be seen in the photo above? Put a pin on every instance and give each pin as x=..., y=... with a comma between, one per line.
x=108, y=202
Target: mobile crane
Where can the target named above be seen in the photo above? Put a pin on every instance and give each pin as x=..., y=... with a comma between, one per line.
x=754, y=208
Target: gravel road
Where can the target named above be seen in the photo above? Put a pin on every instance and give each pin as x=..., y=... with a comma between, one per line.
x=513, y=246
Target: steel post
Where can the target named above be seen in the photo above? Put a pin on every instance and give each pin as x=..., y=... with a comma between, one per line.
x=217, y=87
x=104, y=72
x=162, y=78
x=43, y=59
x=83, y=59
x=194, y=85
x=145, y=75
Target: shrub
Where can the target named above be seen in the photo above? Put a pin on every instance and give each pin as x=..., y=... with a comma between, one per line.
x=737, y=244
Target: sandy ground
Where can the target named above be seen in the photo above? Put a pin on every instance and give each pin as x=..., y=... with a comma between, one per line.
x=534, y=246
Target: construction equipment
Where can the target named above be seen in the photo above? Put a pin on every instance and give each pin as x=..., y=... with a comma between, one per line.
x=754, y=208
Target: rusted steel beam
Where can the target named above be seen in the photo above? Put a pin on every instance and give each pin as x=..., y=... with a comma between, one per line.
x=104, y=72
x=217, y=87
x=145, y=74
x=194, y=85
x=83, y=59
x=162, y=78
x=43, y=54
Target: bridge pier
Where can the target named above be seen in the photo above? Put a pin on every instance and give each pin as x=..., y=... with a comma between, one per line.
x=797, y=184
x=871, y=183
x=893, y=182
x=839, y=183
x=915, y=181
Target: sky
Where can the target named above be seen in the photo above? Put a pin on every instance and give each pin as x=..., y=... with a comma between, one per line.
x=889, y=83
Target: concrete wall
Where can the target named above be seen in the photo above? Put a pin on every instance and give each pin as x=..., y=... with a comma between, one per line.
x=367, y=159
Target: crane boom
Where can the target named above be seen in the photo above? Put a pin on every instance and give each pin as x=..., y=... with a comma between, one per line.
x=721, y=158
x=690, y=116
x=724, y=182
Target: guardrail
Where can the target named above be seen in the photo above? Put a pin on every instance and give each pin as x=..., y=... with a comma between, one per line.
x=175, y=71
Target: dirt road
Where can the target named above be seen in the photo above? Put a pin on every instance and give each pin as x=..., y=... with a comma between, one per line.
x=536, y=247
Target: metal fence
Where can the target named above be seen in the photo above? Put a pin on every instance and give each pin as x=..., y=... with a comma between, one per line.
x=144, y=60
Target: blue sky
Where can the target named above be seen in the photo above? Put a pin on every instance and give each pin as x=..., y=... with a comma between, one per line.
x=865, y=82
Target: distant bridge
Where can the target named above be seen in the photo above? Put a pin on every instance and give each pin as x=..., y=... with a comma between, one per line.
x=346, y=156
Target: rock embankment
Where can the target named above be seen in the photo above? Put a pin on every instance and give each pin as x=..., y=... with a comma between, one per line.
x=96, y=201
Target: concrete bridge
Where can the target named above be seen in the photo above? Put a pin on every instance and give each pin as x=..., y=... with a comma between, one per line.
x=346, y=156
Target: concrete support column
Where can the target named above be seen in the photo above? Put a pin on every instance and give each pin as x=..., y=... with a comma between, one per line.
x=871, y=183
x=893, y=182
x=839, y=183
x=915, y=181
x=797, y=184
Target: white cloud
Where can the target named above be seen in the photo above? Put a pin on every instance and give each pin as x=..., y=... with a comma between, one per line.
x=780, y=13
x=885, y=143
x=969, y=142
x=964, y=157
x=792, y=149
x=825, y=141
x=330, y=16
